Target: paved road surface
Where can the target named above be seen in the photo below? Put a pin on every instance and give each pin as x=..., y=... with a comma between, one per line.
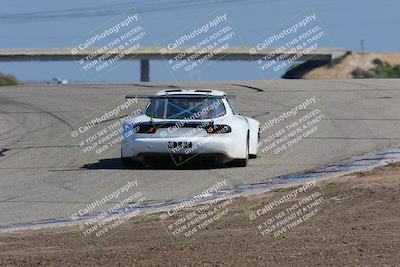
x=45, y=174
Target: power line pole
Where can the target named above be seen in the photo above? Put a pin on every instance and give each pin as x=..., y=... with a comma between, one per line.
x=362, y=47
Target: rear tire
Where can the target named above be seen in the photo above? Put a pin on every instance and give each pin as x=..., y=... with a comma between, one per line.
x=126, y=162
x=254, y=156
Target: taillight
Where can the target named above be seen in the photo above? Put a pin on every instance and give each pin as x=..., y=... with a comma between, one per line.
x=218, y=129
x=149, y=129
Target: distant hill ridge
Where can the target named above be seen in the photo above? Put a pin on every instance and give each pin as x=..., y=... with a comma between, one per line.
x=351, y=66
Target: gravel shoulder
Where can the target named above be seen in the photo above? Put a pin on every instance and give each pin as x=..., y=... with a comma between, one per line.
x=358, y=226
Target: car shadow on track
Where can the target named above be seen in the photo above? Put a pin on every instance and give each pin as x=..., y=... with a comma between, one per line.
x=116, y=164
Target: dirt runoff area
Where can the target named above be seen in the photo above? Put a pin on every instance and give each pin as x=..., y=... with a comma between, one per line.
x=352, y=220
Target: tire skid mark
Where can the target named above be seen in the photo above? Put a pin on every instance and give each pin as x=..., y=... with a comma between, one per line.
x=247, y=86
x=19, y=138
x=32, y=107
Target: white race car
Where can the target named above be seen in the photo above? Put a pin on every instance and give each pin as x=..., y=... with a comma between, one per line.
x=189, y=125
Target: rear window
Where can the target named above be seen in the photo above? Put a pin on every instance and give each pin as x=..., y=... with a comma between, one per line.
x=186, y=108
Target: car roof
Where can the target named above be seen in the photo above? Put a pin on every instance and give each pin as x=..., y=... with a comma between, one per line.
x=206, y=92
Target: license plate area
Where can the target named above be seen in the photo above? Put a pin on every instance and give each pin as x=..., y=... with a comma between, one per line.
x=179, y=145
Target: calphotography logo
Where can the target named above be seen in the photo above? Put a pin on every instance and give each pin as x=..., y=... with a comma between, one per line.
x=103, y=215
x=289, y=210
x=192, y=49
x=202, y=133
x=287, y=129
x=101, y=50
x=189, y=218
x=103, y=131
x=298, y=40
x=199, y=133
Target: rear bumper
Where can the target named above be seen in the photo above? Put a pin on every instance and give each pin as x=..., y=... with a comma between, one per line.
x=183, y=158
x=223, y=145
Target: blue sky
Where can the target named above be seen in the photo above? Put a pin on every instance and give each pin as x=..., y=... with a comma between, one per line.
x=52, y=23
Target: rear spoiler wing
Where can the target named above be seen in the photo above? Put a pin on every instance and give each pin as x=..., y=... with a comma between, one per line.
x=179, y=96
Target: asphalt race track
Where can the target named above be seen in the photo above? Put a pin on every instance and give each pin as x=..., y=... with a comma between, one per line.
x=45, y=174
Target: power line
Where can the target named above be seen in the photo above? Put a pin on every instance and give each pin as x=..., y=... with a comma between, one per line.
x=148, y=6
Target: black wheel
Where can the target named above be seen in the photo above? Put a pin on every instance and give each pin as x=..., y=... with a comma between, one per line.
x=126, y=162
x=254, y=156
x=132, y=163
x=209, y=162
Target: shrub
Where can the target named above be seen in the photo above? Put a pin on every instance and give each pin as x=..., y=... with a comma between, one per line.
x=381, y=70
x=7, y=80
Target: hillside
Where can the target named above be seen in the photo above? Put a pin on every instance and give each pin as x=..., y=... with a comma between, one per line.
x=352, y=66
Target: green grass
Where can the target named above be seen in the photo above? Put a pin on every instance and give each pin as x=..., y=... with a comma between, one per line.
x=381, y=70
x=6, y=80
